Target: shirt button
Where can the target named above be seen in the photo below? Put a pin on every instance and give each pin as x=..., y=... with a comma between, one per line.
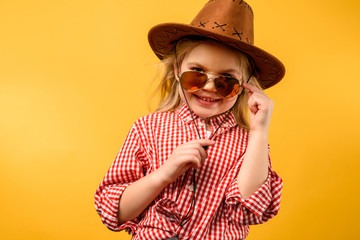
x=190, y=187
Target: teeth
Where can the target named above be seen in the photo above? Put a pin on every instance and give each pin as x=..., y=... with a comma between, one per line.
x=207, y=99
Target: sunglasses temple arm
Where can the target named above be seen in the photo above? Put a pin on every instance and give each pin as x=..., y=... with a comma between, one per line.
x=177, y=64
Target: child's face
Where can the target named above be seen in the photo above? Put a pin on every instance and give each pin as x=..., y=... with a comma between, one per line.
x=214, y=59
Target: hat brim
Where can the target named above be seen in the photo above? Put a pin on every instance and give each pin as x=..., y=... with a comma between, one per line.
x=163, y=37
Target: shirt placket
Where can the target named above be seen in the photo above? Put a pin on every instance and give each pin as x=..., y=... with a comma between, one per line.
x=188, y=188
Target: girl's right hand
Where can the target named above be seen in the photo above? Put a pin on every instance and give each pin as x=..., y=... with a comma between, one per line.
x=190, y=154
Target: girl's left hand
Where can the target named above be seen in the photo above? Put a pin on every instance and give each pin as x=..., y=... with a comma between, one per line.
x=261, y=108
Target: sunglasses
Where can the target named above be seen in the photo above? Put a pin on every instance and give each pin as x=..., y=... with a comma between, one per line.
x=193, y=81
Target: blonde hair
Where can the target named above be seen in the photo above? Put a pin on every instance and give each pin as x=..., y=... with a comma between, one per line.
x=169, y=87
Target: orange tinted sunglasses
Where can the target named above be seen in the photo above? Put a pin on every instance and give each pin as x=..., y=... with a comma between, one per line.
x=193, y=81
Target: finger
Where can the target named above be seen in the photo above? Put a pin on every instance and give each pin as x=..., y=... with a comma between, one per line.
x=203, y=147
x=203, y=155
x=261, y=101
x=253, y=104
x=190, y=161
x=252, y=88
x=198, y=163
x=194, y=161
x=198, y=151
x=204, y=142
x=191, y=152
x=187, y=160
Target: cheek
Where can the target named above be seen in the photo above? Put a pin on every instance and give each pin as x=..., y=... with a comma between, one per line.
x=181, y=94
x=230, y=101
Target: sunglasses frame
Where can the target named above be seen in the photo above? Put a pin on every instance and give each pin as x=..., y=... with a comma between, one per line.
x=215, y=78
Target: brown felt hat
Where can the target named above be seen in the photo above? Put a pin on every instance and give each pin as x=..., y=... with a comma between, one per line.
x=229, y=22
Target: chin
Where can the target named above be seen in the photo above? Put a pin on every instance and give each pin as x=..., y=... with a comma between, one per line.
x=205, y=113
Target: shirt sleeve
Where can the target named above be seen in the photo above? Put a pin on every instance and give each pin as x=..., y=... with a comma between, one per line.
x=129, y=165
x=260, y=207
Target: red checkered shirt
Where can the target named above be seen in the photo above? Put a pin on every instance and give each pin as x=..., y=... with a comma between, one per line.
x=220, y=211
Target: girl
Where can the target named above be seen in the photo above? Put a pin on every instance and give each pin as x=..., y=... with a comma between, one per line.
x=196, y=169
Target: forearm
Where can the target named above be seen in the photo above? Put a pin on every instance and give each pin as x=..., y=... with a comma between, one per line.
x=254, y=169
x=137, y=196
x=141, y=193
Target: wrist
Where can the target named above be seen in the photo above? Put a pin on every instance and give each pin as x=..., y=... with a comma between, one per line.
x=260, y=137
x=162, y=177
x=260, y=133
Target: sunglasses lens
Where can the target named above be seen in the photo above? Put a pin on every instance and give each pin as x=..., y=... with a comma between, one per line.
x=226, y=86
x=193, y=81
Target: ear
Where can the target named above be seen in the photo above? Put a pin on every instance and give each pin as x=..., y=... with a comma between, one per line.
x=176, y=71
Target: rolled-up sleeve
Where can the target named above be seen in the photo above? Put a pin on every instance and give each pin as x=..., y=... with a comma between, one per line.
x=129, y=165
x=261, y=206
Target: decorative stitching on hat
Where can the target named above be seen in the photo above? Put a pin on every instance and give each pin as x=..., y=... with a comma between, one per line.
x=203, y=24
x=248, y=7
x=273, y=73
x=272, y=67
x=165, y=35
x=220, y=26
x=237, y=33
x=245, y=5
x=241, y=1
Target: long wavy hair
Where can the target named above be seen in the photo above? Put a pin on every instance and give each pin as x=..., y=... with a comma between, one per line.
x=169, y=87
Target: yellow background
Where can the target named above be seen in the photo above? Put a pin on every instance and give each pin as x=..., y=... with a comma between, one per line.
x=75, y=75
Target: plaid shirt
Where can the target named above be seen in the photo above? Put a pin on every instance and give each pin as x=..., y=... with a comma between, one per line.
x=220, y=211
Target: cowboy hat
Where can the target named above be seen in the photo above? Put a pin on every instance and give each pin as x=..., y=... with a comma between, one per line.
x=229, y=22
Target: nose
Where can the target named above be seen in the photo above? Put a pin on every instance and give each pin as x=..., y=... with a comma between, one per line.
x=210, y=84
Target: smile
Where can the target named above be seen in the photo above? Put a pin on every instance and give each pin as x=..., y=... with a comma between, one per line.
x=207, y=99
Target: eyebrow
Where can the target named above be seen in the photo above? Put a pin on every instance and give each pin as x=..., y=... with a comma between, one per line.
x=230, y=70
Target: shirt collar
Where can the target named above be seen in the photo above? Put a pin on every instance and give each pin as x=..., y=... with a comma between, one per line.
x=184, y=113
